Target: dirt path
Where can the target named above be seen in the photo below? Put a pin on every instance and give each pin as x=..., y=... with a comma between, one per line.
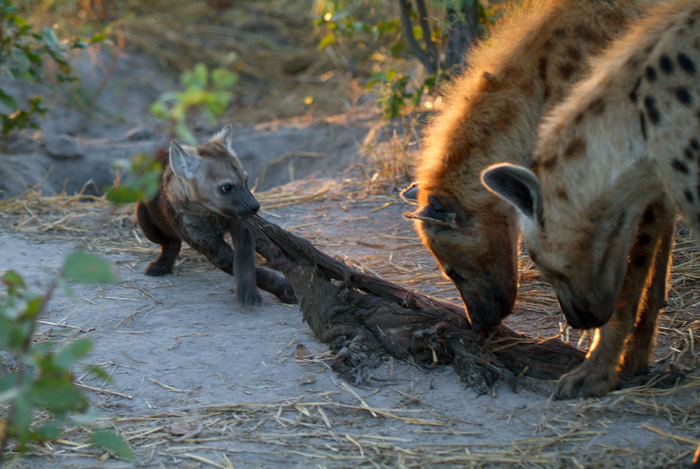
x=196, y=378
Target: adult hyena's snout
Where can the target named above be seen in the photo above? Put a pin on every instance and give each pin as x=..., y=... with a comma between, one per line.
x=587, y=312
x=489, y=309
x=487, y=305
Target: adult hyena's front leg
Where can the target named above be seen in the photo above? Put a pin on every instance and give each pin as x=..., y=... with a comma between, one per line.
x=640, y=345
x=598, y=375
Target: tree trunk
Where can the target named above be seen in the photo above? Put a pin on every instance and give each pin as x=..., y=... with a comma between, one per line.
x=462, y=34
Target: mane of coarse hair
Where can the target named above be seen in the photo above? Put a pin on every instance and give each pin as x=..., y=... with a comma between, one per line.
x=505, y=40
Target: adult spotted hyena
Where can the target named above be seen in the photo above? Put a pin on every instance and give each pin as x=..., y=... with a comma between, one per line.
x=491, y=115
x=628, y=136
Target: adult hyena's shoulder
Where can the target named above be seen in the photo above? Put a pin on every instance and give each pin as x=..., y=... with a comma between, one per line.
x=529, y=63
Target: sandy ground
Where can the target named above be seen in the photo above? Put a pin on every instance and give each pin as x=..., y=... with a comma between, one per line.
x=197, y=381
x=195, y=376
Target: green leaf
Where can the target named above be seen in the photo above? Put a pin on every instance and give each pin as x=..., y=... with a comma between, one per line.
x=224, y=78
x=88, y=268
x=123, y=195
x=112, y=442
x=69, y=355
x=13, y=280
x=8, y=392
x=8, y=101
x=50, y=39
x=183, y=131
x=160, y=110
x=48, y=431
x=86, y=418
x=22, y=417
x=99, y=37
x=59, y=395
x=33, y=307
x=201, y=76
x=326, y=41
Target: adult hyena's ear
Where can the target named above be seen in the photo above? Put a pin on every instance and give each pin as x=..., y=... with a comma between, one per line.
x=435, y=212
x=225, y=136
x=410, y=194
x=184, y=163
x=517, y=185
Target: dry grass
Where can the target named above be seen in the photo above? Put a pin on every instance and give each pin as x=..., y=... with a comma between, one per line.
x=339, y=428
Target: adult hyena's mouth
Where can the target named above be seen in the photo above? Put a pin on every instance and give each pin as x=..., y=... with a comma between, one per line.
x=486, y=308
x=579, y=314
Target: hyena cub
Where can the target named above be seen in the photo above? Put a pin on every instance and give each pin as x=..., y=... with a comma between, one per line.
x=626, y=138
x=203, y=194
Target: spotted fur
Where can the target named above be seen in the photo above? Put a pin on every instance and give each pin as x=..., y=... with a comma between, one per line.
x=491, y=115
x=642, y=156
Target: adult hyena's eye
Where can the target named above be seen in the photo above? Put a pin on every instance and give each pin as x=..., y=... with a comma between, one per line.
x=226, y=188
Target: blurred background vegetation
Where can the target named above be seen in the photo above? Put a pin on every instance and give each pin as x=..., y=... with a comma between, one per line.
x=291, y=57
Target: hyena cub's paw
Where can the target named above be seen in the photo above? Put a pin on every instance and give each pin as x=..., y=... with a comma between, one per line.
x=249, y=297
x=157, y=269
x=588, y=380
x=283, y=291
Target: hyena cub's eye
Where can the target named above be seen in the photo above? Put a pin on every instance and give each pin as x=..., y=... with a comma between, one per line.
x=226, y=188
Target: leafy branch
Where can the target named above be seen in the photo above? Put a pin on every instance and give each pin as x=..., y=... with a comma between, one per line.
x=439, y=33
x=206, y=93
x=23, y=52
x=42, y=378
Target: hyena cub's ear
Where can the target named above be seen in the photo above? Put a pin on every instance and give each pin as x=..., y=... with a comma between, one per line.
x=184, y=163
x=225, y=136
x=517, y=185
x=435, y=212
x=410, y=194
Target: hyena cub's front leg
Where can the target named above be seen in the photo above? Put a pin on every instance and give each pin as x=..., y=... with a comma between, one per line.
x=244, y=266
x=237, y=263
x=248, y=275
x=598, y=375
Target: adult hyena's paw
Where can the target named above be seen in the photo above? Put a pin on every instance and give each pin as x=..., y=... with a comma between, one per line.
x=157, y=269
x=588, y=380
x=636, y=358
x=249, y=297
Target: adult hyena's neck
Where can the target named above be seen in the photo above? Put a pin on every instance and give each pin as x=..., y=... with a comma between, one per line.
x=594, y=148
x=492, y=112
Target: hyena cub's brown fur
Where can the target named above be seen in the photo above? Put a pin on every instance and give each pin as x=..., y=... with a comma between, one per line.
x=203, y=194
x=491, y=115
x=624, y=142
